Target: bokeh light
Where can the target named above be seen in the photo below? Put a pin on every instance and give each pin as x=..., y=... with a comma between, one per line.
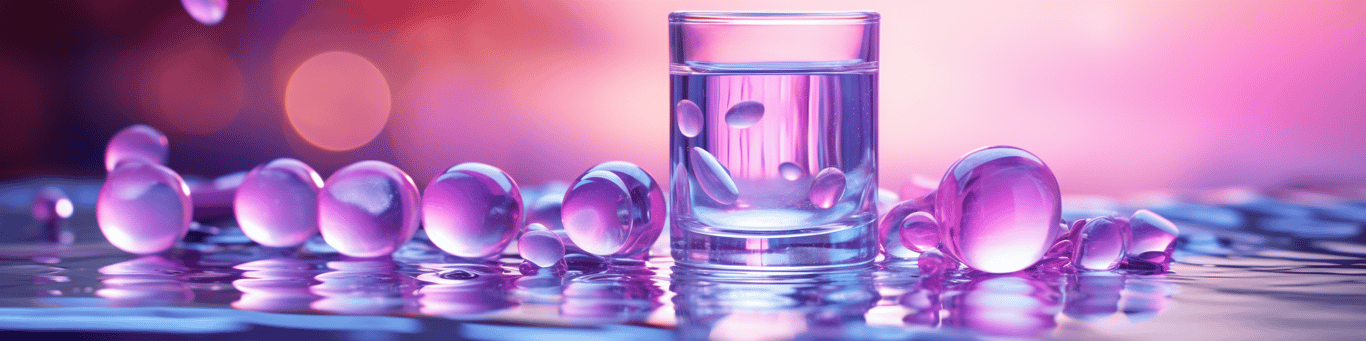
x=196, y=88
x=337, y=100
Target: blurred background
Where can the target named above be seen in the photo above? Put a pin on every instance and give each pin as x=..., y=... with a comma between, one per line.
x=1119, y=97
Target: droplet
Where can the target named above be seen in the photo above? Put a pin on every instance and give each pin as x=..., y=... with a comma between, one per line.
x=277, y=203
x=1151, y=232
x=458, y=275
x=143, y=208
x=919, y=232
x=540, y=246
x=827, y=187
x=889, y=226
x=713, y=178
x=368, y=209
x=52, y=207
x=791, y=171
x=472, y=210
x=999, y=208
x=1101, y=244
x=689, y=118
x=614, y=209
x=207, y=12
x=933, y=263
x=136, y=142
x=744, y=114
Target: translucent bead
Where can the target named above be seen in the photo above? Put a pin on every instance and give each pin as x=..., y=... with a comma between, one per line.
x=614, y=209
x=136, y=142
x=277, y=203
x=368, y=209
x=540, y=246
x=827, y=187
x=999, y=208
x=207, y=12
x=472, y=210
x=933, y=263
x=744, y=114
x=791, y=171
x=52, y=207
x=143, y=208
x=689, y=118
x=713, y=178
x=889, y=226
x=919, y=231
x=1151, y=233
x=1101, y=244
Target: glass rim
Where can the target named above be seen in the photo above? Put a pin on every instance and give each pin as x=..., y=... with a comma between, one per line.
x=774, y=18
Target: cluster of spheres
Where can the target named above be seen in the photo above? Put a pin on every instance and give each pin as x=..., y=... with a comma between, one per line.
x=371, y=208
x=998, y=210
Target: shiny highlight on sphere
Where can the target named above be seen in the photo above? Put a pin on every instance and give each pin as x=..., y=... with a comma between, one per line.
x=472, y=210
x=277, y=203
x=368, y=209
x=337, y=100
x=999, y=208
x=614, y=209
x=143, y=208
x=540, y=246
x=137, y=142
x=1151, y=233
x=1101, y=244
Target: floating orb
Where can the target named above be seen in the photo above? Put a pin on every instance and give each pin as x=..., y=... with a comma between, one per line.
x=1151, y=232
x=1101, y=244
x=52, y=207
x=713, y=178
x=473, y=210
x=791, y=171
x=999, y=208
x=744, y=114
x=207, y=12
x=540, y=246
x=889, y=226
x=614, y=209
x=827, y=187
x=689, y=118
x=136, y=142
x=368, y=209
x=143, y=208
x=919, y=232
x=277, y=203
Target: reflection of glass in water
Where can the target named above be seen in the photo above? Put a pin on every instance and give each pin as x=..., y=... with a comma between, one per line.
x=615, y=296
x=275, y=285
x=1093, y=295
x=735, y=306
x=144, y=281
x=364, y=287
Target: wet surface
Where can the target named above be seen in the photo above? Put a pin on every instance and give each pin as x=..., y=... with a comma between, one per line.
x=1265, y=267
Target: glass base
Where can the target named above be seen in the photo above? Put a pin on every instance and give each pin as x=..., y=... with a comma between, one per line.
x=847, y=245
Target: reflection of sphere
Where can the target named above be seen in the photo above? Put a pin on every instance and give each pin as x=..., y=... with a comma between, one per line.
x=363, y=288
x=144, y=281
x=609, y=298
x=710, y=306
x=1005, y=305
x=275, y=285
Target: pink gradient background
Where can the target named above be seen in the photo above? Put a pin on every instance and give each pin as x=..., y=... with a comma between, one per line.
x=1117, y=96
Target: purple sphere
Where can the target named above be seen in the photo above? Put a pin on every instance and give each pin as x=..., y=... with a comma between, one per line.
x=1151, y=233
x=889, y=226
x=1101, y=244
x=472, y=210
x=999, y=208
x=51, y=204
x=143, y=208
x=540, y=246
x=827, y=187
x=368, y=209
x=277, y=203
x=614, y=209
x=136, y=142
x=919, y=232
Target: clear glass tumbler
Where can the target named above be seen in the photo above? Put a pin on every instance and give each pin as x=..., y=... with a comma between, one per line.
x=773, y=140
